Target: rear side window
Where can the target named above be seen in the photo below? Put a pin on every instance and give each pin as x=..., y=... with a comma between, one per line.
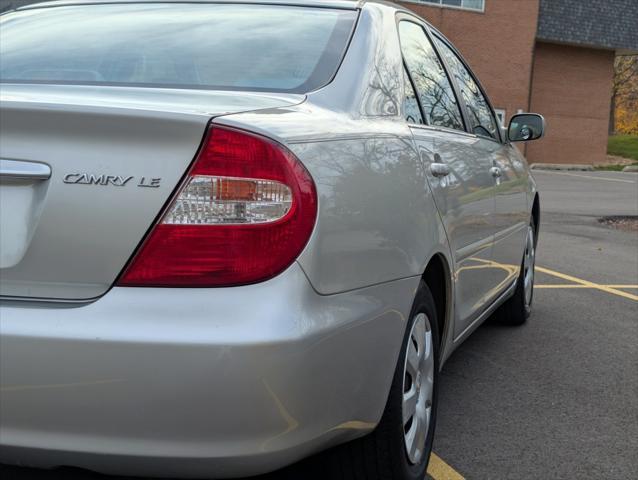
x=481, y=120
x=435, y=92
x=410, y=103
x=181, y=45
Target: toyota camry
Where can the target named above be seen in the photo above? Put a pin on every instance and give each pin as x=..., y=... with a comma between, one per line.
x=236, y=234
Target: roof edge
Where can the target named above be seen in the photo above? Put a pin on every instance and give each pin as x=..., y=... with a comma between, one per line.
x=592, y=46
x=341, y=4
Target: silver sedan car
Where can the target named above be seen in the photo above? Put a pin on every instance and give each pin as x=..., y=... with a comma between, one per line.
x=235, y=234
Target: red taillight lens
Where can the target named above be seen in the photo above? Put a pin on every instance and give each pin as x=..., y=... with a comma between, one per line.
x=243, y=214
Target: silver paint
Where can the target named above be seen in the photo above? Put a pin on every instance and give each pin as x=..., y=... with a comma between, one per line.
x=85, y=236
x=201, y=382
x=216, y=382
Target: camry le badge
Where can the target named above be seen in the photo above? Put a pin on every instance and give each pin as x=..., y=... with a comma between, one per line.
x=105, y=180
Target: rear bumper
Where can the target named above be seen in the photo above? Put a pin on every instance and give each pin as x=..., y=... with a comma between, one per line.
x=197, y=382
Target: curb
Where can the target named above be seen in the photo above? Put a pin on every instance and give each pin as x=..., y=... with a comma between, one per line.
x=630, y=168
x=563, y=166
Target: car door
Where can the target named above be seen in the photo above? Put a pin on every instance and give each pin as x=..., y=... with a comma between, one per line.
x=506, y=167
x=458, y=173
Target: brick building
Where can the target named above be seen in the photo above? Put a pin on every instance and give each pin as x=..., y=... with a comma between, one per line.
x=554, y=57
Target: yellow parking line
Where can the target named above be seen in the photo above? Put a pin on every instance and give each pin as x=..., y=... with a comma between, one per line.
x=574, y=285
x=439, y=470
x=567, y=285
x=580, y=281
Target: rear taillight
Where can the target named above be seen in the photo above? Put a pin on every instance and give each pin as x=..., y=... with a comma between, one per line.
x=242, y=215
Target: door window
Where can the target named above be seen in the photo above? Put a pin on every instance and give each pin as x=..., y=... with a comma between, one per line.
x=481, y=120
x=435, y=92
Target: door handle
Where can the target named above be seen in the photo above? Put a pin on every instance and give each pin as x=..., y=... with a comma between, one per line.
x=20, y=170
x=496, y=172
x=439, y=169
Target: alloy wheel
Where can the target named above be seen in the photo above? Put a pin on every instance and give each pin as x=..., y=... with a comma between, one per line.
x=528, y=267
x=418, y=387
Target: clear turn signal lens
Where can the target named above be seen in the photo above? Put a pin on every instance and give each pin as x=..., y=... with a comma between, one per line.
x=207, y=200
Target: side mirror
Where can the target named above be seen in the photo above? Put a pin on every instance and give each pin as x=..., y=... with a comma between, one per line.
x=525, y=127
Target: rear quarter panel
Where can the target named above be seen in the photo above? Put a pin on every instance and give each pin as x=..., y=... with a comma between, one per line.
x=377, y=220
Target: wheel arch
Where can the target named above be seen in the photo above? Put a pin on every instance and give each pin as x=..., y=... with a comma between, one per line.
x=438, y=277
x=536, y=217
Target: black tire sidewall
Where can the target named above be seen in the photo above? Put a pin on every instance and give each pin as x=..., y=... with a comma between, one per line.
x=403, y=468
x=516, y=311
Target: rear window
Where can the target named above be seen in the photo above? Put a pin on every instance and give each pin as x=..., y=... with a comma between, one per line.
x=212, y=46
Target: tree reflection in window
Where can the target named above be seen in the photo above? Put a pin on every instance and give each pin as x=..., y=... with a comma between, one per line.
x=433, y=87
x=481, y=119
x=410, y=103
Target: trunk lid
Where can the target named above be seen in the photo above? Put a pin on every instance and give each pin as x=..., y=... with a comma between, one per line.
x=106, y=160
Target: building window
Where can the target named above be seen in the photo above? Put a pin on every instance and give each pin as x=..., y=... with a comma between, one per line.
x=500, y=114
x=467, y=4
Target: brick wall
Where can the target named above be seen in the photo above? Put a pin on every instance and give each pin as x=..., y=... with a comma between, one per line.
x=571, y=87
x=497, y=43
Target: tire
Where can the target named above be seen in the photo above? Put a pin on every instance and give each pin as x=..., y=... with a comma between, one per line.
x=383, y=454
x=517, y=309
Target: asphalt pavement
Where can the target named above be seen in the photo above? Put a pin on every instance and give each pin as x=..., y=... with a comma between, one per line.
x=558, y=397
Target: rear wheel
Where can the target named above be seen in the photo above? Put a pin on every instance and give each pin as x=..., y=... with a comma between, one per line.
x=400, y=446
x=518, y=308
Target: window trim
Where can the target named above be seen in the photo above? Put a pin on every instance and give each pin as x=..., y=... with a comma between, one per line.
x=442, y=5
x=407, y=17
x=435, y=33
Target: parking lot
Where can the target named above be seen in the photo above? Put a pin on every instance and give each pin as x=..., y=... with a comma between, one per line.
x=558, y=397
